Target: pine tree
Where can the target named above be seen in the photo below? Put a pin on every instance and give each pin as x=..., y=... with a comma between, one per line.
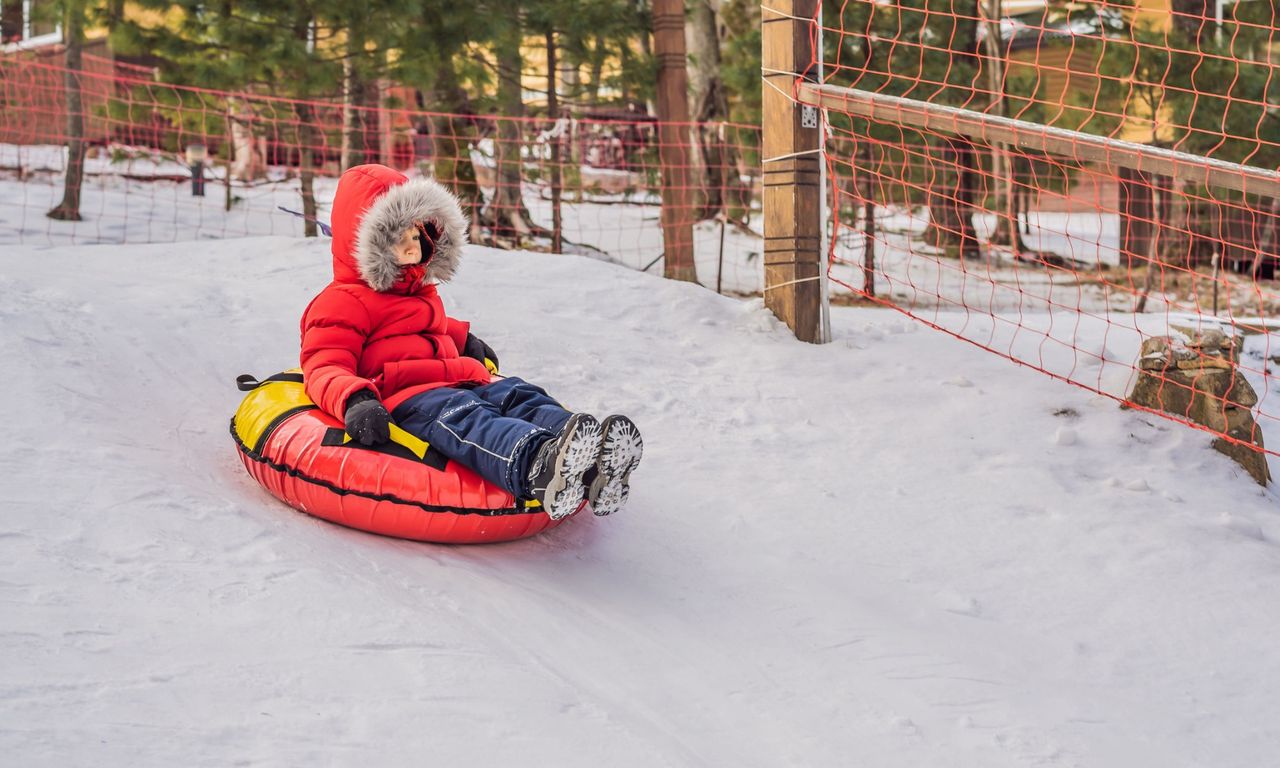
x=294, y=50
x=433, y=55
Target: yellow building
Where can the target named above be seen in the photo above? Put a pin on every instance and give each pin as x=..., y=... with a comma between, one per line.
x=1065, y=70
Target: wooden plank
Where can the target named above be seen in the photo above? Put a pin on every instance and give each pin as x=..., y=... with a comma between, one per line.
x=1110, y=154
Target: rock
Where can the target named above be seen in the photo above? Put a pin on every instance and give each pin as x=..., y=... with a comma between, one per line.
x=1225, y=386
x=1193, y=393
x=1212, y=342
x=1162, y=352
x=1253, y=462
x=1205, y=361
x=1195, y=378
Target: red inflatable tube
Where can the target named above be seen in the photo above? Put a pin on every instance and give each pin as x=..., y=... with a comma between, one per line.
x=297, y=462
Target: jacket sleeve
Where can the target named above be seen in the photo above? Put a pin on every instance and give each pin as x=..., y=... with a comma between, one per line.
x=457, y=331
x=334, y=330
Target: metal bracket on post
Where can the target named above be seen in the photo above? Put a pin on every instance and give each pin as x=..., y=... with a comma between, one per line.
x=808, y=116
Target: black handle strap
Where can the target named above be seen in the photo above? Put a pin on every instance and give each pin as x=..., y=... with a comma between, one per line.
x=247, y=382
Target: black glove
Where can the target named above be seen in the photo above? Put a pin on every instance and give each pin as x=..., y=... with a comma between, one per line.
x=478, y=350
x=366, y=419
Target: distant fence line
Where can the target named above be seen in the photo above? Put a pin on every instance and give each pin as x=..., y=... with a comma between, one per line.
x=584, y=184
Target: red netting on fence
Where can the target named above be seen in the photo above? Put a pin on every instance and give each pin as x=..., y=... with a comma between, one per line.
x=1028, y=176
x=589, y=185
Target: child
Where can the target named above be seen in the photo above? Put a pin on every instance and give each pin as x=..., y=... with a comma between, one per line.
x=377, y=345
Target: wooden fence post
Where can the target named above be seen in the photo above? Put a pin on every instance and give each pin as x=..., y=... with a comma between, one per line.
x=673, y=140
x=792, y=175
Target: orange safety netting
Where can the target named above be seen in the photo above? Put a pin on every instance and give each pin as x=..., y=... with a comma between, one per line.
x=977, y=224
x=590, y=184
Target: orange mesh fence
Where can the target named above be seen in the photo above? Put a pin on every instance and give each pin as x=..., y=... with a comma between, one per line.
x=1056, y=182
x=589, y=185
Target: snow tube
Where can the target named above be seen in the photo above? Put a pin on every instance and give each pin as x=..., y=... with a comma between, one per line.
x=404, y=489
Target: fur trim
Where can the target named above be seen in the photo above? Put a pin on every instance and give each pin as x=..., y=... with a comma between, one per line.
x=393, y=213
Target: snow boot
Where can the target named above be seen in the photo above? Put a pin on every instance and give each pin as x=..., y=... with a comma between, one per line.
x=555, y=475
x=620, y=451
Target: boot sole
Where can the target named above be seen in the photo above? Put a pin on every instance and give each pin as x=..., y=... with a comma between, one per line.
x=620, y=453
x=566, y=491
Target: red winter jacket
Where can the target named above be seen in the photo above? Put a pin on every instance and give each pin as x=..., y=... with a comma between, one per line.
x=378, y=325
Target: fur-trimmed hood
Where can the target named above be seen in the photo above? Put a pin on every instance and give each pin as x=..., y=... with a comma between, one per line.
x=373, y=206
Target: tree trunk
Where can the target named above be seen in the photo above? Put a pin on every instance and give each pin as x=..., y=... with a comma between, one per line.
x=352, y=132
x=249, y=157
x=229, y=150
x=1269, y=243
x=1137, y=216
x=553, y=113
x=571, y=58
x=715, y=163
x=867, y=186
x=953, y=161
x=1023, y=193
x=624, y=64
x=1152, y=257
x=506, y=214
x=673, y=140
x=452, y=141
x=646, y=48
x=707, y=104
x=951, y=200
x=703, y=53
x=73, y=25
x=307, y=140
x=1006, y=231
x=359, y=123
x=598, y=54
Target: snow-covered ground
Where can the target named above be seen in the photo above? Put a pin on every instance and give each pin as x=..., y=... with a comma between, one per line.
x=133, y=195
x=894, y=550
x=915, y=277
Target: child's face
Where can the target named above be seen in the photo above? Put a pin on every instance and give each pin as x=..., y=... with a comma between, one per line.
x=408, y=250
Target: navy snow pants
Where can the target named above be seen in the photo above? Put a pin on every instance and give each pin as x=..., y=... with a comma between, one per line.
x=495, y=429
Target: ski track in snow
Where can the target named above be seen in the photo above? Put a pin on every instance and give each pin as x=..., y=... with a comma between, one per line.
x=894, y=550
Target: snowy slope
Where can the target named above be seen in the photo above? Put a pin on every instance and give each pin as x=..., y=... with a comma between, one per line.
x=895, y=550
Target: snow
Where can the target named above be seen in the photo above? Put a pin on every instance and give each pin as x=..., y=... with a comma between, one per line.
x=893, y=550
x=912, y=274
x=138, y=195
